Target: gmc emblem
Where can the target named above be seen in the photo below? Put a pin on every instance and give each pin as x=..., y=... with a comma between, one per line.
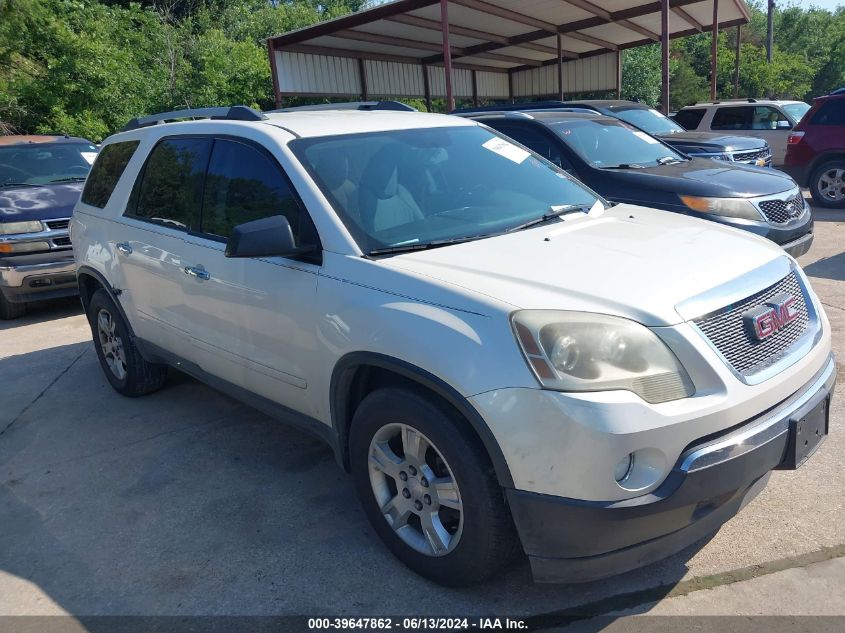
x=774, y=315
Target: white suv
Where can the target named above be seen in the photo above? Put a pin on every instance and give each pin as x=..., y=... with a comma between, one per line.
x=498, y=355
x=770, y=120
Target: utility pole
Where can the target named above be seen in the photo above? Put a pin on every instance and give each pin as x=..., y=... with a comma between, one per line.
x=770, y=32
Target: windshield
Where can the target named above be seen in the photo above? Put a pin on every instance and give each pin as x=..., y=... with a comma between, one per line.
x=44, y=163
x=796, y=111
x=412, y=188
x=606, y=143
x=649, y=120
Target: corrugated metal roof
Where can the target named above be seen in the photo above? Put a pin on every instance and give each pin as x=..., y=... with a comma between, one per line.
x=496, y=36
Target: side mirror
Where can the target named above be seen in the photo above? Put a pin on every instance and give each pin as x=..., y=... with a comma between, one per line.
x=267, y=237
x=784, y=125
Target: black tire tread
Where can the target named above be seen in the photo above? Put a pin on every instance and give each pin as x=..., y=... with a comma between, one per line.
x=142, y=377
x=10, y=310
x=817, y=197
x=499, y=545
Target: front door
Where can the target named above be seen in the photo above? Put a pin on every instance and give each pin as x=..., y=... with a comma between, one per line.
x=252, y=320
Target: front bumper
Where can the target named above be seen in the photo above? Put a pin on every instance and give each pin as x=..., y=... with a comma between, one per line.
x=569, y=540
x=38, y=276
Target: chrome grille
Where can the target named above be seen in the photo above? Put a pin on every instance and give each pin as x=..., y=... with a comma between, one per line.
x=783, y=211
x=752, y=156
x=61, y=241
x=728, y=332
x=57, y=225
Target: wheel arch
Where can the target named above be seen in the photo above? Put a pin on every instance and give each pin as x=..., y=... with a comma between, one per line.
x=90, y=280
x=358, y=373
x=821, y=159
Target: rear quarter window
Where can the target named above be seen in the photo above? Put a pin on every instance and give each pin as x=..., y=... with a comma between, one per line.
x=107, y=169
x=831, y=113
x=689, y=119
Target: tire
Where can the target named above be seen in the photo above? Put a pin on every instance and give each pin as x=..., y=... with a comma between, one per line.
x=122, y=363
x=827, y=184
x=10, y=310
x=474, y=532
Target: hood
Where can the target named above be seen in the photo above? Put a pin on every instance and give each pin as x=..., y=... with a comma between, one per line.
x=42, y=202
x=630, y=261
x=705, y=177
x=712, y=142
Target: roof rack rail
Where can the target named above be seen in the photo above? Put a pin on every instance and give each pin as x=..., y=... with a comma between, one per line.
x=838, y=91
x=505, y=107
x=352, y=105
x=229, y=113
x=717, y=102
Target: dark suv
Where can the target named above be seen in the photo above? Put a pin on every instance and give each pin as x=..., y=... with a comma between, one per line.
x=727, y=147
x=815, y=153
x=40, y=181
x=626, y=165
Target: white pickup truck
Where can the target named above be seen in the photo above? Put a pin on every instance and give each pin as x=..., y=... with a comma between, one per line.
x=496, y=354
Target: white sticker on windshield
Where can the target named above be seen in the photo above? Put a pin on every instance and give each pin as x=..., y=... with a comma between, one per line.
x=506, y=149
x=89, y=156
x=648, y=139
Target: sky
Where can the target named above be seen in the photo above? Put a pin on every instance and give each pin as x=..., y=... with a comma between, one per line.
x=824, y=4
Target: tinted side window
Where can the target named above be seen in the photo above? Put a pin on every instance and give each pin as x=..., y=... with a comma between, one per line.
x=732, y=118
x=169, y=189
x=536, y=140
x=108, y=168
x=689, y=118
x=244, y=184
x=831, y=113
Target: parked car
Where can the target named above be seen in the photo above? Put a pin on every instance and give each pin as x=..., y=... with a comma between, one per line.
x=487, y=345
x=771, y=120
x=40, y=181
x=739, y=149
x=815, y=155
x=624, y=164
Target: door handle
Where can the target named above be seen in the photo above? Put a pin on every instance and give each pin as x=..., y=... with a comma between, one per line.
x=124, y=248
x=198, y=272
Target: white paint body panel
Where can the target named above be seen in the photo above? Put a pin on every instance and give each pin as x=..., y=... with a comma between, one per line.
x=278, y=327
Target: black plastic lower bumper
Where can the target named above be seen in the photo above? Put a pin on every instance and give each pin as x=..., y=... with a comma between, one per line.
x=568, y=540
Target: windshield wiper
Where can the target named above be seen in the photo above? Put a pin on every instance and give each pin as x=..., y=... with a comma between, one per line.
x=555, y=211
x=19, y=184
x=423, y=246
x=71, y=179
x=624, y=166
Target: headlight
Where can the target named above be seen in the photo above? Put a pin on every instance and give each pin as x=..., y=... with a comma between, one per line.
x=24, y=247
x=727, y=207
x=13, y=228
x=580, y=351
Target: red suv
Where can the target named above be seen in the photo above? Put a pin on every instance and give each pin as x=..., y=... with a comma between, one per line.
x=815, y=154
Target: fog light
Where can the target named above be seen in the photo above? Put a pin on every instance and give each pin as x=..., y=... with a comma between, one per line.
x=624, y=467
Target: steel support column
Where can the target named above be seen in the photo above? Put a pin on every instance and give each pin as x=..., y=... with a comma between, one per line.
x=714, y=50
x=362, y=75
x=618, y=74
x=736, y=60
x=426, y=88
x=559, y=68
x=664, y=55
x=447, y=54
x=277, y=97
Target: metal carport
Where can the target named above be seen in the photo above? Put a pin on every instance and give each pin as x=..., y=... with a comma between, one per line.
x=485, y=49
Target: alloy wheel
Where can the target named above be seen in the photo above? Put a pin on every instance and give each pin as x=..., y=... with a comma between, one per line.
x=111, y=344
x=832, y=184
x=415, y=490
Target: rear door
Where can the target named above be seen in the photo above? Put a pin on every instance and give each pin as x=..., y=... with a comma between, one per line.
x=760, y=121
x=163, y=207
x=252, y=321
